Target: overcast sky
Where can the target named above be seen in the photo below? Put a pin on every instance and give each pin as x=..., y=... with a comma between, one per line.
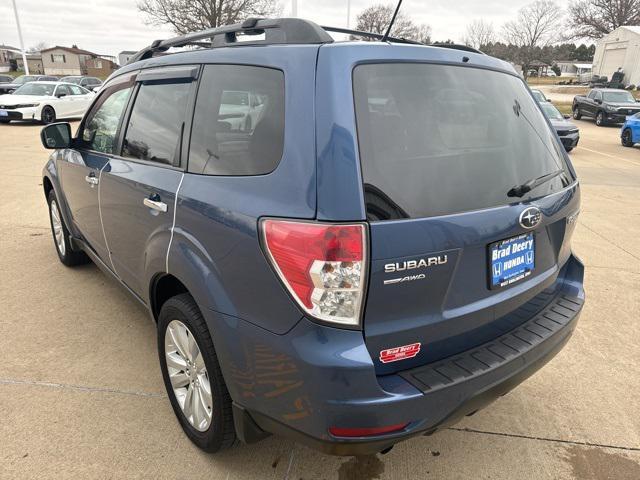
x=107, y=27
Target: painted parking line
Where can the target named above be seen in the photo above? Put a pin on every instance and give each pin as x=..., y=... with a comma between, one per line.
x=610, y=156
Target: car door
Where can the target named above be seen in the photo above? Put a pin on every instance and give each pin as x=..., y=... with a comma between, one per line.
x=80, y=100
x=138, y=190
x=82, y=165
x=62, y=102
x=634, y=123
x=595, y=103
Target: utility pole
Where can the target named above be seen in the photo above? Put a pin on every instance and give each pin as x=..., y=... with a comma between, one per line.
x=24, y=55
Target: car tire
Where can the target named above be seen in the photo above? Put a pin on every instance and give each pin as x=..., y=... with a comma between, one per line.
x=66, y=253
x=576, y=113
x=48, y=115
x=627, y=139
x=600, y=119
x=180, y=320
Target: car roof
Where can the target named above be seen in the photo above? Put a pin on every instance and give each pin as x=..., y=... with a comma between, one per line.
x=435, y=53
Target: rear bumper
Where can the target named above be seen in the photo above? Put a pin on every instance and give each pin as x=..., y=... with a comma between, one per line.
x=314, y=378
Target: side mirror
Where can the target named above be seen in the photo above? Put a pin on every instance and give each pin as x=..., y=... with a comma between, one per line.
x=56, y=135
x=599, y=102
x=567, y=117
x=61, y=94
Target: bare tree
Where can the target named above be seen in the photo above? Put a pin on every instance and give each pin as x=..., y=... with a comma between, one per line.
x=192, y=15
x=596, y=18
x=38, y=47
x=537, y=25
x=376, y=19
x=479, y=33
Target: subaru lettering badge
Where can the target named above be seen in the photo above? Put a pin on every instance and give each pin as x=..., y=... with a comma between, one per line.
x=530, y=218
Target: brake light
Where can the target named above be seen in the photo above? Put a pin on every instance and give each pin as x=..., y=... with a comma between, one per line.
x=322, y=265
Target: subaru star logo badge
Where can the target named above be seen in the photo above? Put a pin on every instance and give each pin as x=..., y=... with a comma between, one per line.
x=530, y=218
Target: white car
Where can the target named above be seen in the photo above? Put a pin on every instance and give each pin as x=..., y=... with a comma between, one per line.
x=241, y=110
x=45, y=102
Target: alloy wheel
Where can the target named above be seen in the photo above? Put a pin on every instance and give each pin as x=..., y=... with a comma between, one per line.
x=188, y=375
x=48, y=116
x=58, y=231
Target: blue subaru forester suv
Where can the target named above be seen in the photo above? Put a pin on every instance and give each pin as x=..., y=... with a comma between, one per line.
x=347, y=243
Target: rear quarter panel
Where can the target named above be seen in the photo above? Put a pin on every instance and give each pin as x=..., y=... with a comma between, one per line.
x=216, y=250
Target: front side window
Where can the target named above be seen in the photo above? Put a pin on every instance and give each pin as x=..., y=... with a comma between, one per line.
x=76, y=90
x=101, y=125
x=155, y=126
x=238, y=124
x=438, y=140
x=62, y=91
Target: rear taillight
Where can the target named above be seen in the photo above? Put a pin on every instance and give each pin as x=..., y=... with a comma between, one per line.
x=322, y=265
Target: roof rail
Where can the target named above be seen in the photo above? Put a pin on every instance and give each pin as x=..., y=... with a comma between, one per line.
x=275, y=31
x=377, y=36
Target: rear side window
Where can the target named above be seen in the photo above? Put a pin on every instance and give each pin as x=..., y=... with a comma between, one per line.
x=238, y=124
x=154, y=129
x=437, y=140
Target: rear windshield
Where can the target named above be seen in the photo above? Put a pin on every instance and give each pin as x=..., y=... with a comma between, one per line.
x=438, y=139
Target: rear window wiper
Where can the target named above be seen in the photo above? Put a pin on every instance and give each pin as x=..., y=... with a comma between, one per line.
x=522, y=190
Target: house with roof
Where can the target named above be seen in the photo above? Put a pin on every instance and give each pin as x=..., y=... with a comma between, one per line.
x=574, y=69
x=34, y=60
x=76, y=61
x=619, y=49
x=8, y=57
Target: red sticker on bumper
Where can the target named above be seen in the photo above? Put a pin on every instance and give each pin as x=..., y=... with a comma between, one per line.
x=399, y=353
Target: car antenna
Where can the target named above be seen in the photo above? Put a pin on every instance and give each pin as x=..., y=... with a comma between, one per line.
x=393, y=20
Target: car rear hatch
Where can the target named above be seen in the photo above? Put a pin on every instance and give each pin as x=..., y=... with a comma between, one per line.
x=455, y=259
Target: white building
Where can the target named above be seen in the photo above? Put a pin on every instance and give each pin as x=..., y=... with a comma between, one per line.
x=125, y=56
x=621, y=48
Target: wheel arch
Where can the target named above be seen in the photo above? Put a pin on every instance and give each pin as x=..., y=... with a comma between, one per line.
x=47, y=186
x=42, y=107
x=163, y=287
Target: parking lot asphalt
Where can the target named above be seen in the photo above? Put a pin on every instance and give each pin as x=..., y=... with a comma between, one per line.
x=81, y=393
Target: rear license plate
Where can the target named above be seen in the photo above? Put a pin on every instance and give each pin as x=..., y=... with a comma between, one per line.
x=4, y=113
x=511, y=260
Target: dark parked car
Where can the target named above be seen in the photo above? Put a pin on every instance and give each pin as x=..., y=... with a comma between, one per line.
x=606, y=105
x=539, y=96
x=86, y=82
x=16, y=83
x=567, y=131
x=386, y=249
x=6, y=79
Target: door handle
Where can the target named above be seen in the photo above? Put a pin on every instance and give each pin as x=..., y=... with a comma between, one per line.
x=92, y=179
x=155, y=205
